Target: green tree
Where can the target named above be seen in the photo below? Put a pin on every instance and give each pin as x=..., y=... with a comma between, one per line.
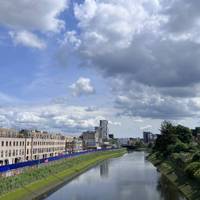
x=184, y=134
x=168, y=137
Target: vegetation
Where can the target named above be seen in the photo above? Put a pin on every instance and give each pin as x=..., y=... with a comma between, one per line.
x=177, y=154
x=35, y=181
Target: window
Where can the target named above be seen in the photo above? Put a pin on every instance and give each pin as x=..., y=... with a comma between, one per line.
x=2, y=153
x=6, y=153
x=6, y=143
x=2, y=143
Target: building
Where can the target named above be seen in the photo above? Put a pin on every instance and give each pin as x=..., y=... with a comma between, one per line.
x=28, y=145
x=69, y=144
x=73, y=144
x=123, y=141
x=149, y=137
x=90, y=140
x=104, y=129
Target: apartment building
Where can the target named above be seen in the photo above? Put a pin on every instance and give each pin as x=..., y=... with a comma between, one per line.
x=90, y=140
x=28, y=145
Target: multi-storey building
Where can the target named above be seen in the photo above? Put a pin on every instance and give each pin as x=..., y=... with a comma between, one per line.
x=28, y=145
x=90, y=140
x=73, y=144
x=104, y=129
x=149, y=137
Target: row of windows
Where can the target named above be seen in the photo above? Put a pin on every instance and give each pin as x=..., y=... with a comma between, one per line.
x=20, y=152
x=42, y=150
x=22, y=143
x=9, y=153
x=48, y=143
x=14, y=143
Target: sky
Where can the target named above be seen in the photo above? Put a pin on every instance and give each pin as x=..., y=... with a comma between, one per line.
x=64, y=65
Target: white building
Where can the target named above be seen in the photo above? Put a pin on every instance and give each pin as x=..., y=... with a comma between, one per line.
x=28, y=145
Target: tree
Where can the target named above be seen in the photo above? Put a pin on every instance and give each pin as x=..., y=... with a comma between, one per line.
x=184, y=134
x=167, y=137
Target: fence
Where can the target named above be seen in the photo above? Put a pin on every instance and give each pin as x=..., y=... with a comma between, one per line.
x=10, y=167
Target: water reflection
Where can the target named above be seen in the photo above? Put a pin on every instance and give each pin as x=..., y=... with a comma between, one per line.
x=104, y=170
x=167, y=190
x=129, y=177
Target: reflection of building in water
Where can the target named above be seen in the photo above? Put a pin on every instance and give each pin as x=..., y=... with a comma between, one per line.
x=104, y=170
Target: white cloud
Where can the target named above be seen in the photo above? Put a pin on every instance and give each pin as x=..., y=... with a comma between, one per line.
x=39, y=15
x=53, y=117
x=27, y=38
x=114, y=123
x=106, y=25
x=82, y=86
x=147, y=127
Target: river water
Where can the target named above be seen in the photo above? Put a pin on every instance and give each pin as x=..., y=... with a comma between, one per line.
x=130, y=177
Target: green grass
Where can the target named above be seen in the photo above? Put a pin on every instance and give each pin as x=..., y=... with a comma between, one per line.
x=35, y=182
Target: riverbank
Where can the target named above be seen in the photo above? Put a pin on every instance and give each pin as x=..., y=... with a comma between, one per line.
x=36, y=183
x=188, y=187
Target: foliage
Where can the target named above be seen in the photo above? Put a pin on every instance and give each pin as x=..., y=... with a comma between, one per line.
x=166, y=138
x=196, y=157
x=192, y=168
x=197, y=174
x=183, y=133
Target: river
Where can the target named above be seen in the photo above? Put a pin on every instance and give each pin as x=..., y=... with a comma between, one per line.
x=130, y=177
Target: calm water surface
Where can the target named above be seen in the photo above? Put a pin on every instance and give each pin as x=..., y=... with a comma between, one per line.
x=130, y=177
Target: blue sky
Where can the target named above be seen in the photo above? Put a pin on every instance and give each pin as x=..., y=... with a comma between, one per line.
x=66, y=64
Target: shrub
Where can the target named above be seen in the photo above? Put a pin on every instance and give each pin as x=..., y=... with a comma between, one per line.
x=192, y=168
x=197, y=175
x=196, y=157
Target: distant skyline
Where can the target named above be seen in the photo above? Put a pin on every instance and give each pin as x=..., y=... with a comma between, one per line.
x=67, y=64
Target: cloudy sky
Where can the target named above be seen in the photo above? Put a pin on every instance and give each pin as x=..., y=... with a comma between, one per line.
x=66, y=64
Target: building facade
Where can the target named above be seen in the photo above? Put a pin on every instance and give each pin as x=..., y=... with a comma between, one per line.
x=104, y=129
x=90, y=140
x=28, y=145
x=149, y=137
x=73, y=144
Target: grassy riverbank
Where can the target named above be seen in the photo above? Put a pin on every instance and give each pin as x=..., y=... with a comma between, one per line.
x=35, y=183
x=188, y=187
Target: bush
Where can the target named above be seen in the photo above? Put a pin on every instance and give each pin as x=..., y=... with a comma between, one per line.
x=192, y=168
x=177, y=148
x=197, y=175
x=196, y=157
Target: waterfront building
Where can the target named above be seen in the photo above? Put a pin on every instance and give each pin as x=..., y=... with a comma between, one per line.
x=73, y=144
x=90, y=140
x=28, y=145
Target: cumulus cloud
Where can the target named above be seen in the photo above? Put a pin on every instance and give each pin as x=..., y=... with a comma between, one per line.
x=39, y=15
x=82, y=86
x=26, y=18
x=27, y=38
x=144, y=47
x=147, y=127
x=52, y=117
